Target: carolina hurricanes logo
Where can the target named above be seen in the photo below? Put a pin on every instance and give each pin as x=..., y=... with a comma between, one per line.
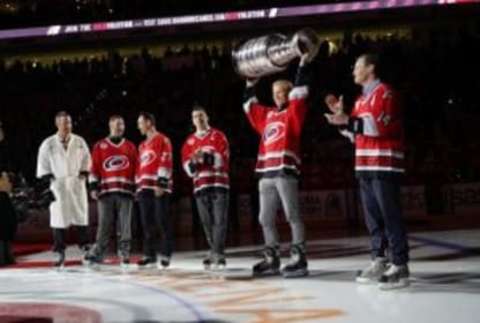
x=273, y=132
x=116, y=163
x=147, y=157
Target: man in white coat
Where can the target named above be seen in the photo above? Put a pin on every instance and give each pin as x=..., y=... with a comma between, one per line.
x=63, y=165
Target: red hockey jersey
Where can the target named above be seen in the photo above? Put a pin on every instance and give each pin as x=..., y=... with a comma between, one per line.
x=113, y=167
x=379, y=147
x=155, y=164
x=207, y=175
x=280, y=132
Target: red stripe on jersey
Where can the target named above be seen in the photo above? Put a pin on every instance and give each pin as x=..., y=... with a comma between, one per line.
x=277, y=162
x=211, y=180
x=142, y=183
x=379, y=161
x=112, y=186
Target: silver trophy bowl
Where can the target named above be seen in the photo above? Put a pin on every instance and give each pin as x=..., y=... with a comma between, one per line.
x=272, y=53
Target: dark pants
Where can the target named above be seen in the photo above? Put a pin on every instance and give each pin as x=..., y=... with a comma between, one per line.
x=213, y=211
x=109, y=206
x=8, y=228
x=59, y=238
x=154, y=215
x=383, y=217
x=6, y=254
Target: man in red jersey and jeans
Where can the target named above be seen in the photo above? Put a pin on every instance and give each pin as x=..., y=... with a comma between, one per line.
x=376, y=129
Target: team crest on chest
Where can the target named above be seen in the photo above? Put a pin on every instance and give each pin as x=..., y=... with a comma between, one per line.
x=116, y=163
x=273, y=132
x=147, y=157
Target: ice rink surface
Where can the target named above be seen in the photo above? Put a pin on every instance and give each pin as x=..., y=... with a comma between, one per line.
x=445, y=287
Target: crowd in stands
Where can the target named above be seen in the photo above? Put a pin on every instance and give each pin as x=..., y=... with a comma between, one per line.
x=21, y=13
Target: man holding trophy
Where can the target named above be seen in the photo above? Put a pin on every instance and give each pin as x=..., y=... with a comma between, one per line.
x=279, y=127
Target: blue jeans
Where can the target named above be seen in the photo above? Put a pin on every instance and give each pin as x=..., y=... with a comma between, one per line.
x=383, y=217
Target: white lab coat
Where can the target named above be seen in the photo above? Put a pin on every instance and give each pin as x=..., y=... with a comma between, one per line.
x=71, y=205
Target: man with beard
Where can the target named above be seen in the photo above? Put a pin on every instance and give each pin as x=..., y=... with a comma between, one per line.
x=112, y=185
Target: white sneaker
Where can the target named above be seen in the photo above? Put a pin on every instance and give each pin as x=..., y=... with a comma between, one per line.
x=395, y=277
x=373, y=272
x=221, y=263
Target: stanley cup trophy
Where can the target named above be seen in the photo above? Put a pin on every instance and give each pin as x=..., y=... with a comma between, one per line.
x=272, y=53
